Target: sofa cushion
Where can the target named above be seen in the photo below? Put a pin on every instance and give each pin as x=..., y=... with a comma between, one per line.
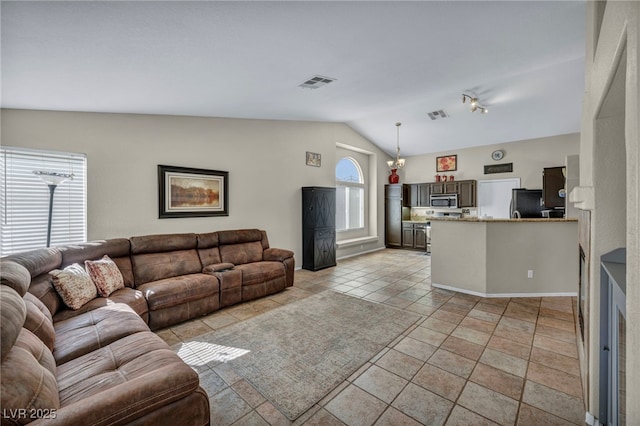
x=105, y=275
x=118, y=249
x=74, y=285
x=239, y=236
x=150, y=267
x=178, y=290
x=39, y=320
x=12, y=315
x=122, y=381
x=95, y=329
x=39, y=261
x=78, y=253
x=15, y=276
x=28, y=379
x=260, y=272
x=126, y=269
x=241, y=253
x=163, y=243
x=133, y=298
x=42, y=288
x=208, y=248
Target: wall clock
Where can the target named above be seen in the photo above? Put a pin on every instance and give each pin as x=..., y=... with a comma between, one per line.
x=497, y=154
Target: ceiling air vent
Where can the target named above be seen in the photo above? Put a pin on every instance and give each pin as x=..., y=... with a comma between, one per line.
x=317, y=81
x=438, y=114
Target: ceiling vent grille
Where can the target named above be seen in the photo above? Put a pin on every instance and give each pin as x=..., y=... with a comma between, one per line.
x=438, y=114
x=317, y=81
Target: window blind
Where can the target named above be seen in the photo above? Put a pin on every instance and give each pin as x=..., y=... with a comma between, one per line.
x=24, y=199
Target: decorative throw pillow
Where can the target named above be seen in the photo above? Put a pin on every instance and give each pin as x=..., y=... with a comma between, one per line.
x=105, y=275
x=74, y=286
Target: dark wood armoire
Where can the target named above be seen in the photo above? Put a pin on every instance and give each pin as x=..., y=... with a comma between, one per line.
x=318, y=227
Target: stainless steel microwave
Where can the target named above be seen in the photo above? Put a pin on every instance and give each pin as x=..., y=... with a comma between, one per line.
x=444, y=200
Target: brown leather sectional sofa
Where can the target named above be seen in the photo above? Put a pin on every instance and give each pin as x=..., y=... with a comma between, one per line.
x=101, y=364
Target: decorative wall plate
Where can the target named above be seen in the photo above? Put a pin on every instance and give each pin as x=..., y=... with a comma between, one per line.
x=497, y=154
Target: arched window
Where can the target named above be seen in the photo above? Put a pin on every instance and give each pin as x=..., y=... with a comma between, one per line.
x=349, y=195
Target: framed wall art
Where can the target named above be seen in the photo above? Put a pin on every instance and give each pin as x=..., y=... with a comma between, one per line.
x=498, y=168
x=447, y=163
x=313, y=159
x=188, y=192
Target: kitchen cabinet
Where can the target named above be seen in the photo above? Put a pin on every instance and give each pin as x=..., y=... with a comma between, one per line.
x=451, y=187
x=318, y=227
x=416, y=195
x=393, y=203
x=414, y=236
x=552, y=182
x=467, y=193
x=410, y=196
x=424, y=191
x=437, y=188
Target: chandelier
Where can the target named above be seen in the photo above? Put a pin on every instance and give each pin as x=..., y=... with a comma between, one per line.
x=399, y=163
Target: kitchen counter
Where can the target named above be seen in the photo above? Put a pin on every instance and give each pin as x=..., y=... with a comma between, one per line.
x=493, y=258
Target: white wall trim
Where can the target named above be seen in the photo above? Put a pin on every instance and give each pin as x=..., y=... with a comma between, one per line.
x=361, y=253
x=356, y=241
x=477, y=293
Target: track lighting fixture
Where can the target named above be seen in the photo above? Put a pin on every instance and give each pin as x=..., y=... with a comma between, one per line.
x=475, y=104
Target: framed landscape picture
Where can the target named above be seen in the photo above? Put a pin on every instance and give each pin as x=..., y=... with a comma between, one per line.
x=448, y=163
x=188, y=192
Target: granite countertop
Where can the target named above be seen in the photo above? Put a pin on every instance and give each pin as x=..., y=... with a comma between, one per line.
x=479, y=219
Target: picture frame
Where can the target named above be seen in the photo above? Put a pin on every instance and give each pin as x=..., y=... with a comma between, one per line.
x=447, y=163
x=498, y=168
x=189, y=192
x=314, y=159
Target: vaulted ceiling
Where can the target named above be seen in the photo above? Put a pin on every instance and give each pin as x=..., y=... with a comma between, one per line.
x=392, y=61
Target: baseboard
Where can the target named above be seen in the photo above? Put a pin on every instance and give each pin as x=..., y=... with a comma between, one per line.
x=297, y=268
x=497, y=295
x=360, y=253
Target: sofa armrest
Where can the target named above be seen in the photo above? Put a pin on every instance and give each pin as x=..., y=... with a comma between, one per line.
x=276, y=254
x=217, y=267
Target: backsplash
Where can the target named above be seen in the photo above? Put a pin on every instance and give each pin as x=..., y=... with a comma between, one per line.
x=424, y=213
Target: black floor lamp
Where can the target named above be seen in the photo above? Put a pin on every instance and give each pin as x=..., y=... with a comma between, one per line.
x=52, y=179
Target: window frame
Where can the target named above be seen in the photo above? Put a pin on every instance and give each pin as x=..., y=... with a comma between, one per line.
x=24, y=199
x=361, y=185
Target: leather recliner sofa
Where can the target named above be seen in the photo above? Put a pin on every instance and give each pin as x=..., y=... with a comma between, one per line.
x=101, y=364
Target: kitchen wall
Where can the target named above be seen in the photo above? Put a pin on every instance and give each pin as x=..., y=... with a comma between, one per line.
x=529, y=157
x=265, y=160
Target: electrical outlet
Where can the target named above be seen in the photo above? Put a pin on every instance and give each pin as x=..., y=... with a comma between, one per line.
x=530, y=273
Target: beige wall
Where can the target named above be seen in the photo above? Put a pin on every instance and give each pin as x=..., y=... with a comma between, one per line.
x=550, y=250
x=529, y=157
x=459, y=255
x=493, y=258
x=610, y=135
x=265, y=160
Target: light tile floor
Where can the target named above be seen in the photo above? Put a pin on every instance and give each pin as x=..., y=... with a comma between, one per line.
x=468, y=361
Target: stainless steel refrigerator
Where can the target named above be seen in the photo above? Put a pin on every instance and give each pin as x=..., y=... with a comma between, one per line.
x=526, y=203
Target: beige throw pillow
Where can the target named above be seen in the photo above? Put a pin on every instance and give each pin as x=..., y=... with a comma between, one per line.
x=74, y=286
x=105, y=275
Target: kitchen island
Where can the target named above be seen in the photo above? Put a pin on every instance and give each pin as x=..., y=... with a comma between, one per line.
x=505, y=257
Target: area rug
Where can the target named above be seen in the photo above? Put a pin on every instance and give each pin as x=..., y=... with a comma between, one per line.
x=296, y=354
